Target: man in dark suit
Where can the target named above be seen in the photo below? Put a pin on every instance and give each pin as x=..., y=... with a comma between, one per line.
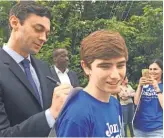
x=60, y=69
x=29, y=103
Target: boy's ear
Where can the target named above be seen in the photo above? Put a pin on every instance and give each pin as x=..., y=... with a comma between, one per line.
x=85, y=68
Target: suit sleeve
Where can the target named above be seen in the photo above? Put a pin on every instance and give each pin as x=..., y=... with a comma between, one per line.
x=35, y=126
x=76, y=80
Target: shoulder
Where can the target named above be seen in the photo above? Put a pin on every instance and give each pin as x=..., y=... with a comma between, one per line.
x=40, y=63
x=80, y=103
x=115, y=102
x=129, y=86
x=78, y=109
x=72, y=72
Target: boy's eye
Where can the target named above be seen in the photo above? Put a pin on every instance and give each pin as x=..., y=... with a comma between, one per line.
x=104, y=66
x=121, y=66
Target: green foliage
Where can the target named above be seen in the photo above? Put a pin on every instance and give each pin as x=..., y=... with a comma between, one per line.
x=141, y=24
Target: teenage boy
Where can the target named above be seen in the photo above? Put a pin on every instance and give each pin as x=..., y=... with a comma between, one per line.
x=93, y=112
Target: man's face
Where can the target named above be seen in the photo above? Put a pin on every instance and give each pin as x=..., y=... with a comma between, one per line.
x=32, y=34
x=62, y=59
x=107, y=75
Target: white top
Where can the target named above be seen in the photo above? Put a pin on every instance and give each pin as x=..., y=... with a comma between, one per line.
x=63, y=77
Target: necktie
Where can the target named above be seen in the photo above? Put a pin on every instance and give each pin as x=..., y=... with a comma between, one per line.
x=26, y=66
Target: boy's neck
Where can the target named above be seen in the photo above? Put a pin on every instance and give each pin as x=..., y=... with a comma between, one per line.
x=97, y=93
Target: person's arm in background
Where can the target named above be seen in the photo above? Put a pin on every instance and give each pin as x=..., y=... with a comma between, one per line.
x=160, y=98
x=123, y=95
x=137, y=95
x=157, y=89
x=131, y=91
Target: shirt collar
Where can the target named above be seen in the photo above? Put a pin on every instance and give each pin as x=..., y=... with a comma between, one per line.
x=17, y=57
x=58, y=71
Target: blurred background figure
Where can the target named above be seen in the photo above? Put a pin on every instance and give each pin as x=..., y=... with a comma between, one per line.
x=125, y=96
x=148, y=121
x=60, y=70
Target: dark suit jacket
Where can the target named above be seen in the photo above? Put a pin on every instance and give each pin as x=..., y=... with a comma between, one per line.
x=71, y=74
x=20, y=112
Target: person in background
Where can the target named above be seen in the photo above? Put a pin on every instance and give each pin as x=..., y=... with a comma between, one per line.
x=125, y=96
x=148, y=121
x=93, y=112
x=60, y=70
x=29, y=104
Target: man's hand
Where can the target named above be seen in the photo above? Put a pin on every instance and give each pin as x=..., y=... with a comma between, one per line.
x=60, y=95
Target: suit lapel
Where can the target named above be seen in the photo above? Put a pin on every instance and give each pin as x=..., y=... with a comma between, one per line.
x=71, y=78
x=54, y=74
x=16, y=70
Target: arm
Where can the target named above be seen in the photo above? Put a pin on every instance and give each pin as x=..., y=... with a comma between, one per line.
x=36, y=125
x=142, y=81
x=137, y=95
x=123, y=95
x=131, y=91
x=121, y=92
x=157, y=89
x=160, y=98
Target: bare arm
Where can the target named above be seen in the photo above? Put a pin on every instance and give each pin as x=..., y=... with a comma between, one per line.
x=137, y=95
x=157, y=89
x=123, y=95
x=160, y=98
x=131, y=91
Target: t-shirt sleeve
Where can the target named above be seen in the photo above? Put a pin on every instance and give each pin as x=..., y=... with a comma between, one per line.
x=71, y=129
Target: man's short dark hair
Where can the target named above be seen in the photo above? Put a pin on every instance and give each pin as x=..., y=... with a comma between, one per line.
x=24, y=8
x=56, y=52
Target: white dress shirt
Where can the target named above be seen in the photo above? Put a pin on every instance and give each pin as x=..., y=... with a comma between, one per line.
x=63, y=77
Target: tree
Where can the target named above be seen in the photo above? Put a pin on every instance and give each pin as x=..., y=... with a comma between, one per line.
x=140, y=22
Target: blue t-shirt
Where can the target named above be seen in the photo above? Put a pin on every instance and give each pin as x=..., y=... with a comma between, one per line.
x=149, y=117
x=86, y=116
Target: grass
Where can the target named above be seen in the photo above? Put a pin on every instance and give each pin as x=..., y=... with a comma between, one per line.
x=128, y=132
